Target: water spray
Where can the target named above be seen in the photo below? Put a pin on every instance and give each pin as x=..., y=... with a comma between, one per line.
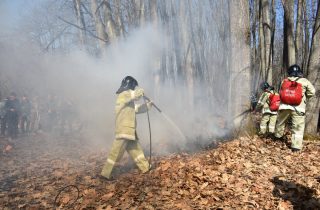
x=145, y=98
x=167, y=118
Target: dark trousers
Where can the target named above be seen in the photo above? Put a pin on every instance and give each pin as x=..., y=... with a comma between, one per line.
x=25, y=124
x=3, y=123
x=12, y=120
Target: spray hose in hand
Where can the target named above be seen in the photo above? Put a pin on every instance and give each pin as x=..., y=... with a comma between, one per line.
x=155, y=106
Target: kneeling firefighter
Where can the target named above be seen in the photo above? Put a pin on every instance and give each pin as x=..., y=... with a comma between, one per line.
x=126, y=136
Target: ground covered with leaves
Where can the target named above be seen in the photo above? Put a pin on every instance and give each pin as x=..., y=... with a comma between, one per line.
x=246, y=173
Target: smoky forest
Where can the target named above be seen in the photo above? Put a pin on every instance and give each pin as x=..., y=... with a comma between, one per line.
x=159, y=104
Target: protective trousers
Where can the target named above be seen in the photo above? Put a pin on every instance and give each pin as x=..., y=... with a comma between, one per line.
x=298, y=124
x=268, y=118
x=134, y=149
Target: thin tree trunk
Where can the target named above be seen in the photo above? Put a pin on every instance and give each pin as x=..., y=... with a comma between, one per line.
x=80, y=21
x=110, y=25
x=273, y=29
x=262, y=44
x=120, y=26
x=100, y=29
x=153, y=12
x=306, y=38
x=267, y=39
x=142, y=18
x=299, y=34
x=176, y=40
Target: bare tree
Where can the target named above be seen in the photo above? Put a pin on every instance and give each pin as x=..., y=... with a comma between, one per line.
x=299, y=33
x=314, y=76
x=289, y=53
x=240, y=53
x=80, y=21
x=100, y=28
x=110, y=25
x=265, y=39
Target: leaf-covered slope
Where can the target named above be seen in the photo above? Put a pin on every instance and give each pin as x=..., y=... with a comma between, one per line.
x=247, y=173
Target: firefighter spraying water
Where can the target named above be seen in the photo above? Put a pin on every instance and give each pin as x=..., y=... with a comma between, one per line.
x=126, y=123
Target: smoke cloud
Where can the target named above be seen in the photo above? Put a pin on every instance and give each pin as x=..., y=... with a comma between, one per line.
x=91, y=82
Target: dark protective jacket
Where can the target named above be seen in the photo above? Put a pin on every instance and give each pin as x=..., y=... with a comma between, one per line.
x=26, y=107
x=12, y=106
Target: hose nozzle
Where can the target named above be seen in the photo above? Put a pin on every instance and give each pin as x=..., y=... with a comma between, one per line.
x=155, y=106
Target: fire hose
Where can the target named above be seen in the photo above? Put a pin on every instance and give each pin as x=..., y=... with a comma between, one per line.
x=145, y=98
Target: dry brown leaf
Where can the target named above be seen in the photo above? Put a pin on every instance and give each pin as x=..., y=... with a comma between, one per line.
x=107, y=196
x=65, y=199
x=204, y=185
x=183, y=206
x=165, y=166
x=284, y=205
x=8, y=148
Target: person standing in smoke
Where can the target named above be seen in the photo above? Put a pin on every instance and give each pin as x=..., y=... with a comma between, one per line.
x=25, y=114
x=34, y=115
x=49, y=113
x=294, y=92
x=3, y=122
x=269, y=112
x=125, y=134
x=12, y=108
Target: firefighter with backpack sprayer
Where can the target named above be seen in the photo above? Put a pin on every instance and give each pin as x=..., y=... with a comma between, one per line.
x=269, y=102
x=294, y=92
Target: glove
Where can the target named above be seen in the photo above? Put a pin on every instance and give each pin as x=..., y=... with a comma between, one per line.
x=138, y=93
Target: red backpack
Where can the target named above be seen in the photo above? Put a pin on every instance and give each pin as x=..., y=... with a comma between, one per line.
x=274, y=102
x=291, y=92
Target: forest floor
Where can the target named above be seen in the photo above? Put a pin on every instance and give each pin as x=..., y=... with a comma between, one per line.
x=245, y=173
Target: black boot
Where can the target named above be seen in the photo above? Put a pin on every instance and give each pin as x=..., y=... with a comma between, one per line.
x=295, y=150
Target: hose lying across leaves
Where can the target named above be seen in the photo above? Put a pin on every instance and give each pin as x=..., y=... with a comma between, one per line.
x=63, y=189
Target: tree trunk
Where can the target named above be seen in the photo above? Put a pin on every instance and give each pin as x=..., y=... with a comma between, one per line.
x=314, y=77
x=273, y=29
x=289, y=54
x=80, y=21
x=262, y=43
x=100, y=29
x=153, y=12
x=120, y=26
x=299, y=34
x=142, y=15
x=186, y=40
x=306, y=38
x=110, y=25
x=240, y=59
x=176, y=39
x=266, y=24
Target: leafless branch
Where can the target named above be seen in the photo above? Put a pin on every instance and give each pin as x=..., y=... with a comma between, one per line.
x=90, y=32
x=55, y=38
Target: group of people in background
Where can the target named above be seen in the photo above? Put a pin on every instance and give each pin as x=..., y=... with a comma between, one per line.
x=289, y=105
x=24, y=115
